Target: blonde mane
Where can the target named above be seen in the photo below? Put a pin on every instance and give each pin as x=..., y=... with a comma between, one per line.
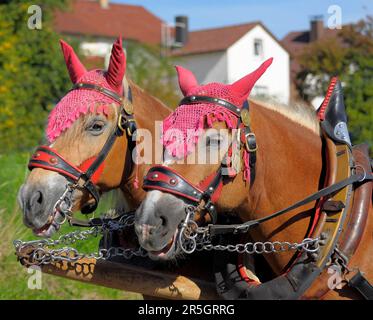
x=300, y=113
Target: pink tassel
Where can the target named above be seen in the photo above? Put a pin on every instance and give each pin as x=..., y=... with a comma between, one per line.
x=246, y=172
x=209, y=120
x=220, y=116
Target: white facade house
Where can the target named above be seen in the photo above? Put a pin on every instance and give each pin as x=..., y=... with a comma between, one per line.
x=227, y=54
x=98, y=23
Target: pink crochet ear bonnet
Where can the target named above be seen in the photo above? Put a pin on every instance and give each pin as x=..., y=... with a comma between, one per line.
x=80, y=102
x=195, y=117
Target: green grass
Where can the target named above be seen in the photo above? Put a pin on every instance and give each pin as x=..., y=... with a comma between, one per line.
x=13, y=277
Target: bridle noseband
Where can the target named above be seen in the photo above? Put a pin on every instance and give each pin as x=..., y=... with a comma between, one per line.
x=206, y=193
x=87, y=174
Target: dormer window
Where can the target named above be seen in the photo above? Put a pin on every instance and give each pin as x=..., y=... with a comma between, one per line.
x=258, y=47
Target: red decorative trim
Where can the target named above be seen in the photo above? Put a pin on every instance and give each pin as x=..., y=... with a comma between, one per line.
x=97, y=174
x=321, y=112
x=50, y=168
x=50, y=160
x=242, y=272
x=56, y=154
x=206, y=182
x=167, y=180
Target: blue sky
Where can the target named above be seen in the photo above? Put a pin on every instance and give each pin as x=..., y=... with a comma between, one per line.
x=280, y=16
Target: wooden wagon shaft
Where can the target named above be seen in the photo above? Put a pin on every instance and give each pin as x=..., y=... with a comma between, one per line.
x=133, y=278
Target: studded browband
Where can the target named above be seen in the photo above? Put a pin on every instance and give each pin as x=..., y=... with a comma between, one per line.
x=207, y=191
x=49, y=159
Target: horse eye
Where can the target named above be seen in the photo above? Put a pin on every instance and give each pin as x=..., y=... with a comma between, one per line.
x=96, y=127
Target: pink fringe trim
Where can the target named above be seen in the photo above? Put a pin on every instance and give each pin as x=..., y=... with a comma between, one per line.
x=180, y=146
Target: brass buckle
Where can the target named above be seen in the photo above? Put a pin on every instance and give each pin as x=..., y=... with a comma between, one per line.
x=120, y=122
x=126, y=120
x=250, y=134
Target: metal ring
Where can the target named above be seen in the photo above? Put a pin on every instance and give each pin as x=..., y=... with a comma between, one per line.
x=307, y=242
x=64, y=216
x=240, y=248
x=247, y=245
x=270, y=245
x=365, y=173
x=260, y=249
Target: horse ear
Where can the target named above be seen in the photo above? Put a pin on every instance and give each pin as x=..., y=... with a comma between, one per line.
x=74, y=66
x=117, y=66
x=243, y=86
x=186, y=78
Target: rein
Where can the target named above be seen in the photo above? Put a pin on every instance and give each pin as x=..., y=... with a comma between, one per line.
x=244, y=227
x=87, y=174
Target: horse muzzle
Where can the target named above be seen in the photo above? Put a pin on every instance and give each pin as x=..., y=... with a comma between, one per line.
x=37, y=203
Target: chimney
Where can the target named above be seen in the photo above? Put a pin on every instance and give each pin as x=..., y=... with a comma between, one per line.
x=317, y=28
x=104, y=4
x=181, y=30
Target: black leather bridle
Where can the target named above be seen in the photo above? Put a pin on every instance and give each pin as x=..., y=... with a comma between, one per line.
x=47, y=158
x=205, y=194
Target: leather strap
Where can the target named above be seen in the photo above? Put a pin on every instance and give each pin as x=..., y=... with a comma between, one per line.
x=244, y=227
x=249, y=140
x=362, y=285
x=210, y=192
x=198, y=99
x=103, y=153
x=90, y=86
x=168, y=180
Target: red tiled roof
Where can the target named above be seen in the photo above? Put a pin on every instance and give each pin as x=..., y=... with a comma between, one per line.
x=297, y=41
x=89, y=18
x=217, y=39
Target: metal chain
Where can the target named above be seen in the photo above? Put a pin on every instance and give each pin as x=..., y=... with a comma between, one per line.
x=43, y=254
x=308, y=244
x=194, y=238
x=191, y=238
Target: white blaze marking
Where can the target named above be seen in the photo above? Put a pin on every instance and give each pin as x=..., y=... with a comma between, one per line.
x=149, y=203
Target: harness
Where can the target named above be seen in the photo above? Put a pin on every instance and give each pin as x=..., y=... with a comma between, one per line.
x=87, y=174
x=334, y=204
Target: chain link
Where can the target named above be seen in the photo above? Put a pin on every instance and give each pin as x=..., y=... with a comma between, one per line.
x=43, y=254
x=309, y=245
x=191, y=238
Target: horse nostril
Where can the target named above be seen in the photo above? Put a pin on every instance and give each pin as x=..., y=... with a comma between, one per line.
x=36, y=200
x=163, y=221
x=40, y=199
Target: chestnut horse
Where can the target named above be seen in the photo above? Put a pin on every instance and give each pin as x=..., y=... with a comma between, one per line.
x=288, y=167
x=103, y=105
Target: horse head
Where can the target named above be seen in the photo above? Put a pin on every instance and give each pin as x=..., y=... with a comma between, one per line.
x=81, y=159
x=202, y=134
